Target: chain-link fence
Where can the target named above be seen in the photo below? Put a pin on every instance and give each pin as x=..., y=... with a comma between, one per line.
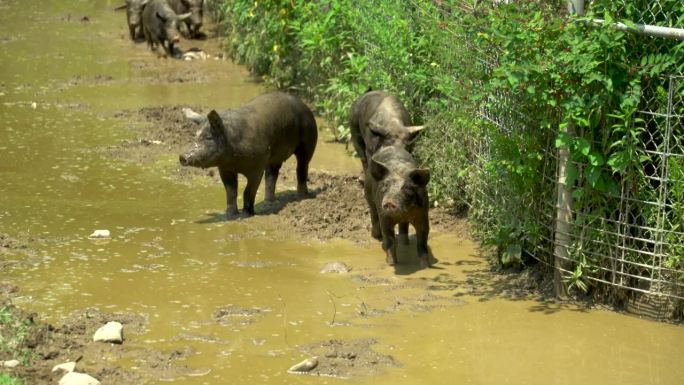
x=636, y=240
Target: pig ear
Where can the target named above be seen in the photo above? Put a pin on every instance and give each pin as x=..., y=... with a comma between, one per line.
x=184, y=16
x=377, y=129
x=377, y=169
x=420, y=176
x=413, y=131
x=160, y=17
x=216, y=123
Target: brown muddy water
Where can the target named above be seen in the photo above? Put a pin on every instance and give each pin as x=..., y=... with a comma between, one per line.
x=245, y=298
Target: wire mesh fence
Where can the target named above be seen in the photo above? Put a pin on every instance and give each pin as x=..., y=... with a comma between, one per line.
x=634, y=242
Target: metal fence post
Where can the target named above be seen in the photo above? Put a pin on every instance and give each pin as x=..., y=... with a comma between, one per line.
x=563, y=198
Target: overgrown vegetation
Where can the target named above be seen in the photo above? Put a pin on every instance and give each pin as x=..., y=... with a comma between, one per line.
x=6, y=379
x=528, y=67
x=14, y=330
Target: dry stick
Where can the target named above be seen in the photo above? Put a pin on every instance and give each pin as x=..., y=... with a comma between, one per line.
x=331, y=295
x=284, y=321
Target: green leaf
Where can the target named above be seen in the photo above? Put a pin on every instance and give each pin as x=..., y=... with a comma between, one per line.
x=583, y=146
x=595, y=159
x=563, y=140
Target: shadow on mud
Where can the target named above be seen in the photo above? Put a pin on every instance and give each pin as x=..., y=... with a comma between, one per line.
x=408, y=262
x=263, y=208
x=480, y=281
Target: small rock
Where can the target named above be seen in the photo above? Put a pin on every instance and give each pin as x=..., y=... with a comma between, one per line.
x=100, y=234
x=335, y=267
x=110, y=332
x=66, y=367
x=11, y=363
x=73, y=378
x=305, y=366
x=34, y=105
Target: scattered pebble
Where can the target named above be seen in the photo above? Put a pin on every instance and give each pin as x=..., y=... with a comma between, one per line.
x=305, y=366
x=100, y=234
x=73, y=378
x=110, y=332
x=11, y=363
x=335, y=267
x=195, y=54
x=66, y=367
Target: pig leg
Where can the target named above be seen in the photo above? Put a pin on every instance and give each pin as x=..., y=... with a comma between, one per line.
x=375, y=222
x=230, y=182
x=403, y=233
x=373, y=209
x=253, y=181
x=131, y=30
x=389, y=243
x=272, y=172
x=360, y=147
x=422, y=232
x=303, y=159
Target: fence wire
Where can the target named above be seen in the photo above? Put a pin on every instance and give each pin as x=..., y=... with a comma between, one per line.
x=636, y=242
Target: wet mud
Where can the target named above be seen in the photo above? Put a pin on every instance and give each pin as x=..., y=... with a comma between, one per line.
x=336, y=210
x=72, y=341
x=208, y=301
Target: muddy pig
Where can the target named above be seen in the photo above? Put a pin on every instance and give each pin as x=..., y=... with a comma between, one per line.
x=160, y=25
x=255, y=138
x=397, y=195
x=134, y=10
x=190, y=27
x=379, y=119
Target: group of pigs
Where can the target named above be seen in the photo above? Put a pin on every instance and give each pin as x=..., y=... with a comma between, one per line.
x=160, y=21
x=254, y=140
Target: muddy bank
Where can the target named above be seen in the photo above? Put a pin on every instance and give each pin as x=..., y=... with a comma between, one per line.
x=346, y=359
x=337, y=210
x=40, y=346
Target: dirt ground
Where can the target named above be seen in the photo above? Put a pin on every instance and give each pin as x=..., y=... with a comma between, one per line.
x=336, y=210
x=72, y=341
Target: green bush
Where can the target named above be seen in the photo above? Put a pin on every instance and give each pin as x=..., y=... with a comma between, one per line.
x=527, y=67
x=6, y=379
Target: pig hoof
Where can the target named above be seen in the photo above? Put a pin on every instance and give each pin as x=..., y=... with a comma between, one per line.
x=424, y=263
x=390, y=261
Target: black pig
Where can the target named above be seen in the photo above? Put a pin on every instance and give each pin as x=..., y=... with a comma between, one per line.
x=134, y=10
x=254, y=138
x=191, y=26
x=379, y=119
x=160, y=25
x=396, y=193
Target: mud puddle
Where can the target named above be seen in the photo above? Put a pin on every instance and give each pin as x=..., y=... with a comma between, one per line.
x=90, y=141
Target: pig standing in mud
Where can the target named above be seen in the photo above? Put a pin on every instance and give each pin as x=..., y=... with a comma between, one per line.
x=396, y=193
x=190, y=27
x=160, y=25
x=254, y=138
x=379, y=119
x=134, y=10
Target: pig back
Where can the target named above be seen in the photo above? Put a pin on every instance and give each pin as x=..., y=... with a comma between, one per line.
x=272, y=125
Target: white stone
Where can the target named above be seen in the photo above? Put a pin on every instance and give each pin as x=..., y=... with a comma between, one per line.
x=110, y=332
x=305, y=366
x=73, y=378
x=100, y=234
x=11, y=363
x=66, y=367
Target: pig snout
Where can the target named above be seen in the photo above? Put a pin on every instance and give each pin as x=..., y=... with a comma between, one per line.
x=184, y=160
x=389, y=205
x=175, y=39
